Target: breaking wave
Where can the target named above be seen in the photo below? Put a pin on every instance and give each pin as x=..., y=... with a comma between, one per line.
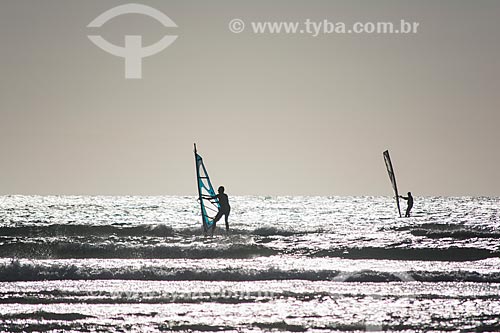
x=436, y=231
x=121, y=230
x=217, y=248
x=32, y=271
x=81, y=250
x=225, y=248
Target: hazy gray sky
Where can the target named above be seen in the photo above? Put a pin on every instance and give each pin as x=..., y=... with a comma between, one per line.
x=272, y=114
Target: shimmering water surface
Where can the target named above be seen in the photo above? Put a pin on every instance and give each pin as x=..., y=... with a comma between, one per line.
x=289, y=264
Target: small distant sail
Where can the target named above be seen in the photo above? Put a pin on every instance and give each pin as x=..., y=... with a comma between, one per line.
x=209, y=207
x=392, y=177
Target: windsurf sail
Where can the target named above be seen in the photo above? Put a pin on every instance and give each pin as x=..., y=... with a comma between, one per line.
x=392, y=177
x=208, y=204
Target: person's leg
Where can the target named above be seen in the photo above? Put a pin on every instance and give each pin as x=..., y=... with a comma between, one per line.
x=218, y=216
x=408, y=212
x=227, y=219
x=216, y=219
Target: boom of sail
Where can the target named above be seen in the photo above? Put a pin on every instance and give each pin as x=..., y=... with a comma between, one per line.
x=209, y=204
x=392, y=177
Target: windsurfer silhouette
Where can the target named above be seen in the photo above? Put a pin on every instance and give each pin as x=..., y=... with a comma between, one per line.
x=224, y=209
x=409, y=198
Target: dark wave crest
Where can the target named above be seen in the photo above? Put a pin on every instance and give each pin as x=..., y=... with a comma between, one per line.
x=397, y=253
x=228, y=248
x=462, y=232
x=121, y=230
x=73, y=230
x=81, y=250
x=32, y=271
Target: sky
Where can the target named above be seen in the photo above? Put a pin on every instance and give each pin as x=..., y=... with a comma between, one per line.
x=272, y=114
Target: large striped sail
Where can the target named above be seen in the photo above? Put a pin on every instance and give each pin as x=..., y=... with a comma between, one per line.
x=209, y=207
x=392, y=177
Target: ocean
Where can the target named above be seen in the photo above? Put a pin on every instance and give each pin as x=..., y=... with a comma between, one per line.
x=288, y=264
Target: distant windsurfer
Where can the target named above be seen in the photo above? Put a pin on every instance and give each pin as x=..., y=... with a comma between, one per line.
x=409, y=198
x=224, y=209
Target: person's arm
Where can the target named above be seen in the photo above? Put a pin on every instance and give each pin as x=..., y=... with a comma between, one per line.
x=209, y=197
x=406, y=198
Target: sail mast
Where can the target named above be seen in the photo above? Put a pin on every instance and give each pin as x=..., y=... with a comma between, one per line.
x=209, y=204
x=198, y=183
x=392, y=177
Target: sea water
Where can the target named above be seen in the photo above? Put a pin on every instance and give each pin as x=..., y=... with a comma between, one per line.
x=288, y=264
